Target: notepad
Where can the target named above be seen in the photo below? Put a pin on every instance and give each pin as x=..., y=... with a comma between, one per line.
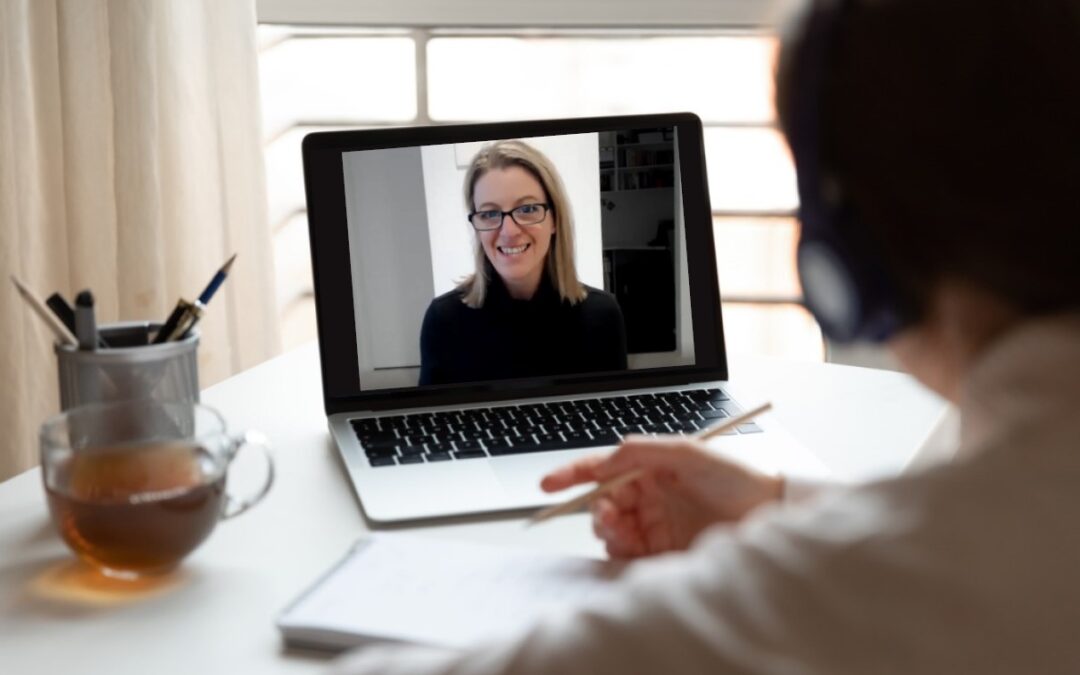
x=402, y=588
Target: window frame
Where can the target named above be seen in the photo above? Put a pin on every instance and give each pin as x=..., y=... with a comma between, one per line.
x=729, y=14
x=423, y=20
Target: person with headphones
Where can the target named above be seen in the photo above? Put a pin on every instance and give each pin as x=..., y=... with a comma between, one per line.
x=937, y=148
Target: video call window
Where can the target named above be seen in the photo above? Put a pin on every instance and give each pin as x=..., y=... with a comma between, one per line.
x=439, y=284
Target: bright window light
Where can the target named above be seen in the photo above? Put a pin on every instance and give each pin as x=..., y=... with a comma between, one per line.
x=497, y=78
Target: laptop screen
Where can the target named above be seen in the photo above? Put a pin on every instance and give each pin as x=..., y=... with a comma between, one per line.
x=511, y=258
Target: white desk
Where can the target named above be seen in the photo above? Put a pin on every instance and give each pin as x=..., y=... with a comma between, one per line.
x=216, y=615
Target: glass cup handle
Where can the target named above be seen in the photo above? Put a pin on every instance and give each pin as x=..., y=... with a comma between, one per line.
x=234, y=506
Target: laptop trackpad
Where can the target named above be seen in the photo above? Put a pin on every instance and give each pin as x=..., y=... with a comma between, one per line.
x=520, y=474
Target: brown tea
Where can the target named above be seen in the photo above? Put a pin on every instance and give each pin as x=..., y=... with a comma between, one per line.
x=136, y=508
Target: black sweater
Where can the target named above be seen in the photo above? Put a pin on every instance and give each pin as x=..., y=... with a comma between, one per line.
x=508, y=338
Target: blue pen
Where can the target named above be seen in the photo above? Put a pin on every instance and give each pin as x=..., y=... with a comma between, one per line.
x=187, y=314
x=212, y=287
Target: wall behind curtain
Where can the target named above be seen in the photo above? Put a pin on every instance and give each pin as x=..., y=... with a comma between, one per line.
x=130, y=164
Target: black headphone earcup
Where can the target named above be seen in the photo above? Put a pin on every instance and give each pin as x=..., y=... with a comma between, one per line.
x=829, y=291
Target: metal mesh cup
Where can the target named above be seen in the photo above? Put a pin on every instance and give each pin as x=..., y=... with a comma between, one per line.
x=130, y=368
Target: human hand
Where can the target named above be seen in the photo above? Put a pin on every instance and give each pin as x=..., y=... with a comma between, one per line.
x=683, y=489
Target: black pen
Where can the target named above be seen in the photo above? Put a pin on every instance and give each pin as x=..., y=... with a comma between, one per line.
x=85, y=323
x=186, y=314
x=62, y=310
x=66, y=314
x=170, y=324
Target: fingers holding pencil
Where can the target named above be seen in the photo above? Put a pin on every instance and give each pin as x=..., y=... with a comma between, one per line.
x=689, y=486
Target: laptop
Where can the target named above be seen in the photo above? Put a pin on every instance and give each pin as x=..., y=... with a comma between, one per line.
x=444, y=406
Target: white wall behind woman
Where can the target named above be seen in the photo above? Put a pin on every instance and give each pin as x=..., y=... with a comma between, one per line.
x=577, y=159
x=390, y=267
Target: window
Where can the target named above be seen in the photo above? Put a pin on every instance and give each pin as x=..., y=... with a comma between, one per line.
x=327, y=78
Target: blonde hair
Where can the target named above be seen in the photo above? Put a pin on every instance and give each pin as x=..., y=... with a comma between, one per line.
x=560, y=258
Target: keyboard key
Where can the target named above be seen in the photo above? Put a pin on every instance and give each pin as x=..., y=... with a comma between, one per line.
x=605, y=438
x=411, y=459
x=470, y=454
x=571, y=426
x=376, y=436
x=685, y=427
x=730, y=407
x=411, y=450
x=749, y=428
x=381, y=452
x=575, y=436
x=524, y=442
x=713, y=414
x=529, y=410
x=656, y=428
x=442, y=446
x=438, y=456
x=517, y=449
x=381, y=461
x=468, y=445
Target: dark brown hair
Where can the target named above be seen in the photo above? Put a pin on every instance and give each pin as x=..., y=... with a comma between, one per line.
x=954, y=127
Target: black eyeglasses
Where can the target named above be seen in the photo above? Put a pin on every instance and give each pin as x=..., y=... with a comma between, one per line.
x=525, y=215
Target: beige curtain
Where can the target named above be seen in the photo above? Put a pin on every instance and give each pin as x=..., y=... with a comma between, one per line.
x=130, y=164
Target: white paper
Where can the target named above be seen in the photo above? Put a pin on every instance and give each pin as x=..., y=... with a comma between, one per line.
x=439, y=592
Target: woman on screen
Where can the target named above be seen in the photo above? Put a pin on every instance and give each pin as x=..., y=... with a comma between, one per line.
x=523, y=312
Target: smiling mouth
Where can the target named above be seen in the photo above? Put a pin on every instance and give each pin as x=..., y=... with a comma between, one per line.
x=513, y=250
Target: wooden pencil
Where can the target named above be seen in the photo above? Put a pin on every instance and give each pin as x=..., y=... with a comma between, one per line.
x=61, y=331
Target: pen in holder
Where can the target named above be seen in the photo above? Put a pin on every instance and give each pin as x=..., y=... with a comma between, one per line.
x=130, y=368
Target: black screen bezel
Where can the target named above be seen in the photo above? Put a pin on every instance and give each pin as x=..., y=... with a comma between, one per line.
x=328, y=232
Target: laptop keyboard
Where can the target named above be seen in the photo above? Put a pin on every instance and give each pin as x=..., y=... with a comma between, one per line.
x=452, y=435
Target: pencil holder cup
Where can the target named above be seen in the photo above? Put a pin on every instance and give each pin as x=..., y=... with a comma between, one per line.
x=129, y=368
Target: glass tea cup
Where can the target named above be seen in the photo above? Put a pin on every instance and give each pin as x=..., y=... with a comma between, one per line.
x=135, y=486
